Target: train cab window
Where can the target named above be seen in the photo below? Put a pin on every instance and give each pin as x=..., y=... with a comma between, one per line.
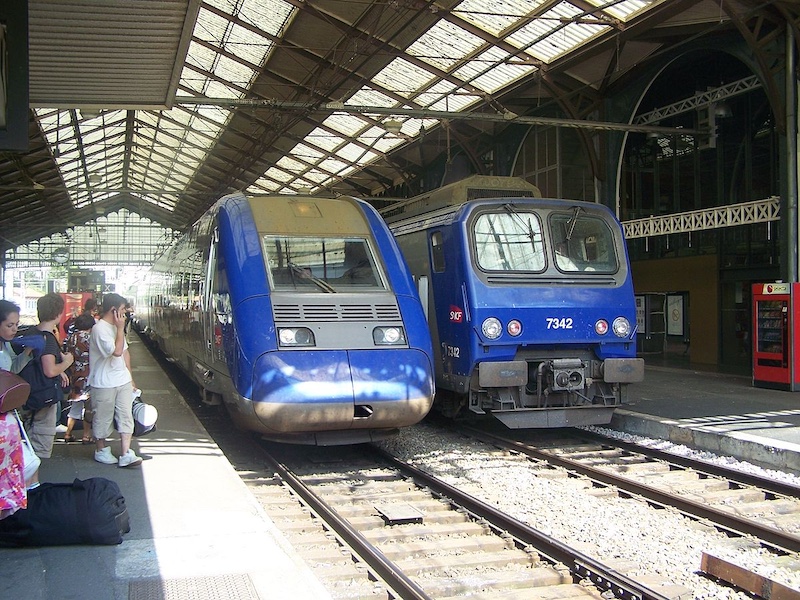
x=327, y=265
x=582, y=243
x=510, y=240
x=437, y=252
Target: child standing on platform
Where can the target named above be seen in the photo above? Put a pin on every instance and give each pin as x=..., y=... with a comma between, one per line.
x=77, y=344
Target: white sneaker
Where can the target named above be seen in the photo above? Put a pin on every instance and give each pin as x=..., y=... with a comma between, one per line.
x=104, y=456
x=129, y=459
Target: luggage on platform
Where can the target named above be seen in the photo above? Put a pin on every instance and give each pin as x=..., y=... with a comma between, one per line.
x=90, y=511
x=144, y=418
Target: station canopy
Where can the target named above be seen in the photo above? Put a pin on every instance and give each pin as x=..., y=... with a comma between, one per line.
x=145, y=113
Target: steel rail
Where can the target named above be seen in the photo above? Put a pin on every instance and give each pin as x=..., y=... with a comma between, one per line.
x=579, y=564
x=768, y=535
x=780, y=488
x=390, y=573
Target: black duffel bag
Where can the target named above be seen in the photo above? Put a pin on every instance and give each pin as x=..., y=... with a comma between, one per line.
x=90, y=511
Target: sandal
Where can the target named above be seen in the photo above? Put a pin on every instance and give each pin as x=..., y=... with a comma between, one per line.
x=87, y=441
x=68, y=439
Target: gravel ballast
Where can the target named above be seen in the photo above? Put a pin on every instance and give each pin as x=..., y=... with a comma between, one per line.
x=657, y=543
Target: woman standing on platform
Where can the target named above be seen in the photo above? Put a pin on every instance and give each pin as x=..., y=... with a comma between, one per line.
x=13, y=494
x=111, y=383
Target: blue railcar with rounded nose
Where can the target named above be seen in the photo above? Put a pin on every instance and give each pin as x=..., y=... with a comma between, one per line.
x=300, y=315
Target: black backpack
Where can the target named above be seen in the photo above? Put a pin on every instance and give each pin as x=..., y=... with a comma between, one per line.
x=90, y=511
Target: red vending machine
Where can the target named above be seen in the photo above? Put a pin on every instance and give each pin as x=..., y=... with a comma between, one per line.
x=776, y=335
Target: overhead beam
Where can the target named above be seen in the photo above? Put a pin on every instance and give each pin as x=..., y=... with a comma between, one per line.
x=424, y=113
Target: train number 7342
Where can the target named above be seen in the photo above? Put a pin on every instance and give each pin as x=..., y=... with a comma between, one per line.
x=563, y=323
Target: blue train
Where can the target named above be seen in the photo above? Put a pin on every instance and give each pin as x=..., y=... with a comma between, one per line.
x=530, y=302
x=299, y=314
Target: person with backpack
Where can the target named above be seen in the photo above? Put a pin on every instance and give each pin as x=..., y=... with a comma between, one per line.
x=46, y=374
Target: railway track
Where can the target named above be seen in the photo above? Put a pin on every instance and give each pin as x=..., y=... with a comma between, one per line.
x=422, y=537
x=736, y=502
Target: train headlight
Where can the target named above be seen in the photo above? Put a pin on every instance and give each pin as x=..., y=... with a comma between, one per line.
x=296, y=336
x=621, y=327
x=601, y=327
x=514, y=328
x=492, y=328
x=389, y=336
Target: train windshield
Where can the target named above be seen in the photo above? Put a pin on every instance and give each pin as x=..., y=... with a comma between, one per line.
x=510, y=240
x=582, y=243
x=329, y=265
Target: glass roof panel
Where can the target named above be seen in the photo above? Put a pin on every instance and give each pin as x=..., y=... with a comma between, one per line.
x=333, y=165
x=201, y=57
x=317, y=176
x=366, y=96
x=214, y=114
x=234, y=72
x=444, y=45
x=211, y=27
x=356, y=153
x=444, y=96
x=553, y=34
x=388, y=142
x=495, y=16
x=495, y=77
x=347, y=124
x=622, y=10
x=278, y=175
x=324, y=139
x=291, y=165
x=268, y=15
x=402, y=77
x=217, y=89
x=247, y=45
x=307, y=153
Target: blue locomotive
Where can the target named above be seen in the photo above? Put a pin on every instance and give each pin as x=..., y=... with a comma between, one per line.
x=299, y=314
x=530, y=302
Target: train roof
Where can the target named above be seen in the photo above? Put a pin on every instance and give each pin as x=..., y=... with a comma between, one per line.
x=470, y=188
x=448, y=214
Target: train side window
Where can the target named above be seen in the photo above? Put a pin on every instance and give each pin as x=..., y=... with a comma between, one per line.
x=437, y=252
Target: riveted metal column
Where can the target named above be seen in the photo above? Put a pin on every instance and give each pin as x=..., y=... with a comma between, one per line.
x=792, y=223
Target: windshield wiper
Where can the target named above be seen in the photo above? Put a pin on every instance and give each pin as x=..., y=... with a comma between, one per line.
x=306, y=274
x=527, y=224
x=572, y=221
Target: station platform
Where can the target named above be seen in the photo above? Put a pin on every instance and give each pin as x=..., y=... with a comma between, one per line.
x=196, y=530
x=715, y=412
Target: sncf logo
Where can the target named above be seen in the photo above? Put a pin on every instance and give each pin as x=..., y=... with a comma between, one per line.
x=456, y=314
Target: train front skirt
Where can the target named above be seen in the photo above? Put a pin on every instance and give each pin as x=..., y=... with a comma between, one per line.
x=334, y=390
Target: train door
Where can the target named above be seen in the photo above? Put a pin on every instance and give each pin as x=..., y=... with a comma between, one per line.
x=207, y=308
x=436, y=272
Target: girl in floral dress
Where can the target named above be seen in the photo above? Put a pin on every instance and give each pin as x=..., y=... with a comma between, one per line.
x=13, y=493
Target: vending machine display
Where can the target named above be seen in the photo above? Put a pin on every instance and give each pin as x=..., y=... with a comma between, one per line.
x=776, y=332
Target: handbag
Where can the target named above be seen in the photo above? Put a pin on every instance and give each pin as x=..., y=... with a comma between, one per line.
x=31, y=462
x=14, y=391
